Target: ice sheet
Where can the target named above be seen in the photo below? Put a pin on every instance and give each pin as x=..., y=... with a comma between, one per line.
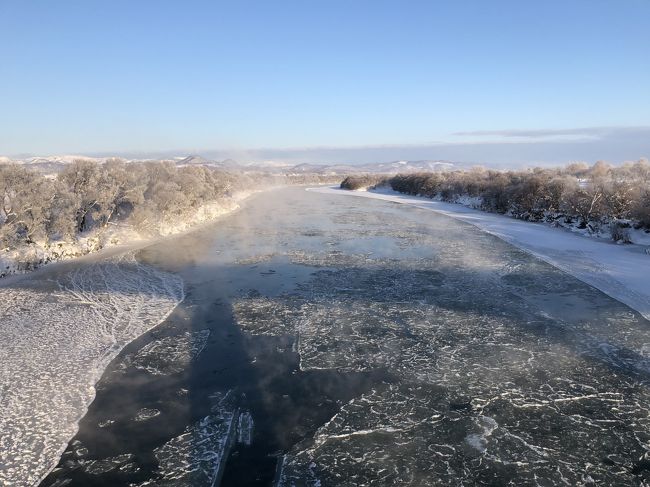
x=56, y=341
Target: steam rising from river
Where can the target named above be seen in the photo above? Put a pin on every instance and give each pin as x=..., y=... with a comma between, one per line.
x=57, y=338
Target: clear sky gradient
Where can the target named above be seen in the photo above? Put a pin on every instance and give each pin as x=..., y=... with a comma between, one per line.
x=308, y=80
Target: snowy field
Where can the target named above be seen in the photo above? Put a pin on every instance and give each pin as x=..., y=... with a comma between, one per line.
x=58, y=336
x=621, y=271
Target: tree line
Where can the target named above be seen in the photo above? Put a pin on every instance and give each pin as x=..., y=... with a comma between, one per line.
x=85, y=195
x=587, y=196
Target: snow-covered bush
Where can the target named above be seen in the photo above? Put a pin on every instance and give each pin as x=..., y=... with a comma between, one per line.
x=620, y=232
x=577, y=195
x=641, y=209
x=365, y=181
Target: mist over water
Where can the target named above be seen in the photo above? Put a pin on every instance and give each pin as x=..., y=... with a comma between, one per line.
x=344, y=341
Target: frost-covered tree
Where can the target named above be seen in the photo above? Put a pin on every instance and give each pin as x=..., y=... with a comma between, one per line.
x=82, y=180
x=26, y=199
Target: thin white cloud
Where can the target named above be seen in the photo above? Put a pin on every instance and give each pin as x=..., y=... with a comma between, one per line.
x=587, y=132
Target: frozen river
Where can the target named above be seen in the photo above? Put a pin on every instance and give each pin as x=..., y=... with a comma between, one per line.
x=322, y=340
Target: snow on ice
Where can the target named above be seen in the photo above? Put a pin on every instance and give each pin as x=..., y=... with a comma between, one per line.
x=57, y=338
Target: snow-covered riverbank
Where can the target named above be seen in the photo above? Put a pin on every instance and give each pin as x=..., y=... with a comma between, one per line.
x=621, y=271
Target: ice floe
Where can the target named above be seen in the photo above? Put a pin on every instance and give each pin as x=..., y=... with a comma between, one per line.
x=169, y=355
x=245, y=428
x=146, y=413
x=197, y=456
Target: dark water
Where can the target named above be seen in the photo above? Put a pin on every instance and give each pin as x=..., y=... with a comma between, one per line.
x=368, y=344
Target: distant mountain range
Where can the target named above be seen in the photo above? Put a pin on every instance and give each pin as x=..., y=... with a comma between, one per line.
x=379, y=167
x=393, y=167
x=54, y=164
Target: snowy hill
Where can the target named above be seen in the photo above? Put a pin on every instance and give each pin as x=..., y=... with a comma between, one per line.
x=197, y=160
x=54, y=164
x=380, y=167
x=413, y=166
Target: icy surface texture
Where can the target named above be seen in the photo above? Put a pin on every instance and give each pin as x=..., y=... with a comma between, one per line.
x=245, y=428
x=169, y=355
x=619, y=271
x=414, y=435
x=493, y=372
x=146, y=413
x=57, y=338
x=76, y=459
x=197, y=456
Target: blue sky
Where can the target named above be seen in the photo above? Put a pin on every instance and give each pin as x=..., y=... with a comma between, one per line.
x=308, y=80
